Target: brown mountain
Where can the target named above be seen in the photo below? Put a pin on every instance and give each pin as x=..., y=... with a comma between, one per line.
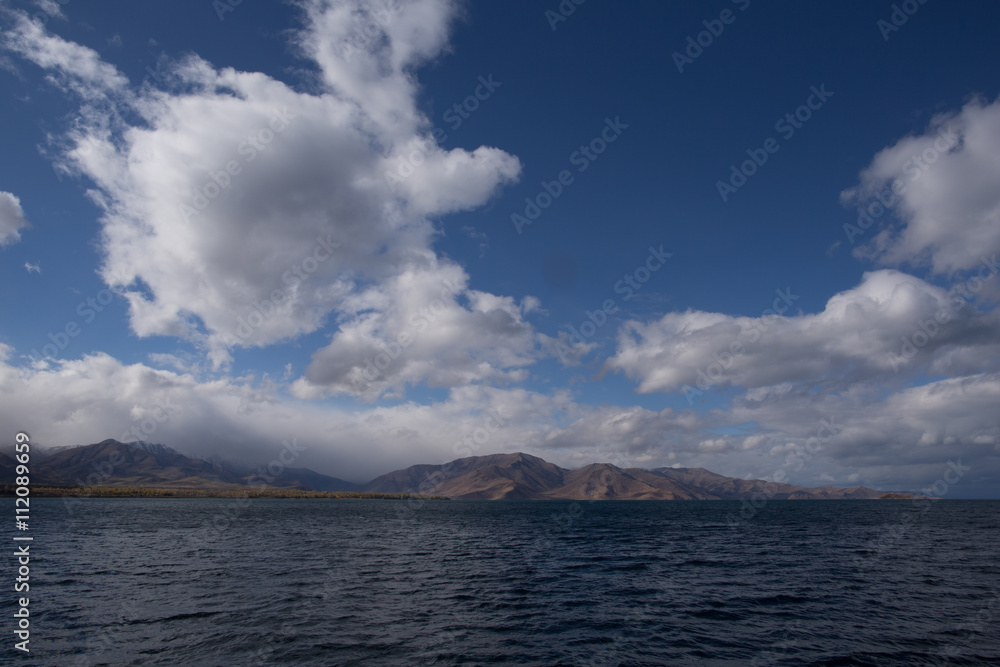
x=154, y=466
x=510, y=476
x=113, y=463
x=524, y=477
x=515, y=476
x=607, y=482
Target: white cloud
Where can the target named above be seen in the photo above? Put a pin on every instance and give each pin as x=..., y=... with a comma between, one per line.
x=949, y=206
x=366, y=51
x=629, y=437
x=891, y=326
x=421, y=325
x=241, y=212
x=324, y=219
x=897, y=441
x=12, y=219
x=96, y=397
x=51, y=7
x=70, y=65
x=900, y=440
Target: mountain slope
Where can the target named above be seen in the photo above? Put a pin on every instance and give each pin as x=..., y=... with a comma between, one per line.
x=516, y=476
x=113, y=463
x=607, y=482
x=730, y=488
x=309, y=479
x=524, y=477
x=149, y=465
x=8, y=468
x=495, y=477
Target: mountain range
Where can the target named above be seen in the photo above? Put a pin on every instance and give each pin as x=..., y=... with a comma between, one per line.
x=153, y=466
x=515, y=476
x=524, y=477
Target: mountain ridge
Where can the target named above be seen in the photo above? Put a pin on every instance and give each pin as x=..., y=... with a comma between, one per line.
x=138, y=464
x=513, y=476
x=520, y=476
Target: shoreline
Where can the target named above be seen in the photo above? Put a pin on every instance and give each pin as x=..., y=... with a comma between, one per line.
x=7, y=491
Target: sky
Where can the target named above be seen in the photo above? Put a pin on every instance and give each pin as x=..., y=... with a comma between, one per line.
x=756, y=238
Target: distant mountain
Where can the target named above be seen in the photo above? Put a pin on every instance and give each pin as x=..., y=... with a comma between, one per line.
x=137, y=464
x=151, y=465
x=312, y=480
x=605, y=482
x=8, y=467
x=515, y=476
x=303, y=478
x=510, y=476
x=524, y=477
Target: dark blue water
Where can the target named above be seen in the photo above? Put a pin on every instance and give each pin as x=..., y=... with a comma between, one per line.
x=314, y=582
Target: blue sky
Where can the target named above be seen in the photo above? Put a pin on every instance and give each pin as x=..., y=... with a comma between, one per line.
x=409, y=136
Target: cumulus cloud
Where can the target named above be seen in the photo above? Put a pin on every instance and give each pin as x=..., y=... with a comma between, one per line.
x=246, y=418
x=892, y=325
x=902, y=440
x=629, y=437
x=944, y=188
x=421, y=325
x=12, y=219
x=240, y=212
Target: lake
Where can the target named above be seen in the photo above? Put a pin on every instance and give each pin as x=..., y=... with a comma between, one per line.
x=164, y=581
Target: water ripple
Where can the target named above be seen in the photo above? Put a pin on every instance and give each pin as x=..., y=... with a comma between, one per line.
x=120, y=581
